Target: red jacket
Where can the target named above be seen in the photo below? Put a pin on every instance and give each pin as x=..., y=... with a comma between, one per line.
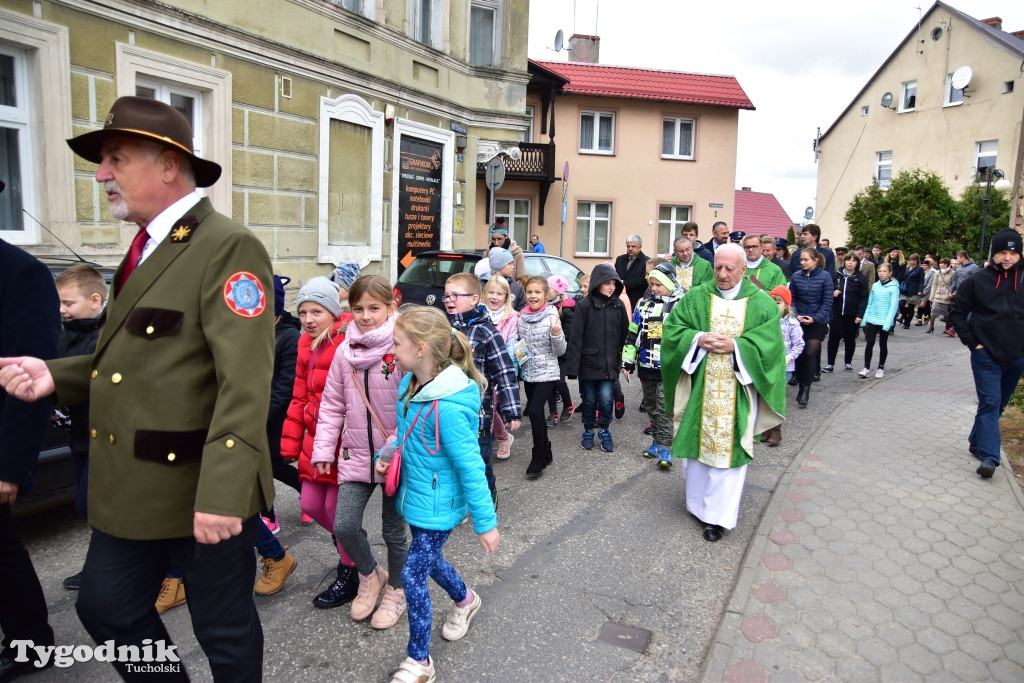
x=311, y=368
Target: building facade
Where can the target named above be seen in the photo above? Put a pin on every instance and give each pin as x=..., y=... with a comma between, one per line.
x=644, y=151
x=347, y=129
x=948, y=100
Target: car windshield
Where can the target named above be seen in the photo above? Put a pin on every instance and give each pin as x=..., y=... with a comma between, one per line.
x=553, y=266
x=432, y=271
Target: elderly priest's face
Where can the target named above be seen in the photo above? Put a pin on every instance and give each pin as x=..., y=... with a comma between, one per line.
x=729, y=268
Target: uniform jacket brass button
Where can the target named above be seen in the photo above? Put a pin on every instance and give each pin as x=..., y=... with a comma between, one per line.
x=93, y=434
x=171, y=457
x=150, y=330
x=116, y=378
x=95, y=374
x=112, y=439
x=230, y=443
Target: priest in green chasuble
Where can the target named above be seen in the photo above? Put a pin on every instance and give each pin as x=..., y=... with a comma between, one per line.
x=723, y=365
x=761, y=271
x=691, y=270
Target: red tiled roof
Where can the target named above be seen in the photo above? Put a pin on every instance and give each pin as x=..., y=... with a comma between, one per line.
x=650, y=84
x=761, y=213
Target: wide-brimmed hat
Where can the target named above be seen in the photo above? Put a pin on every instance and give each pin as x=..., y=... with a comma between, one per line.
x=149, y=119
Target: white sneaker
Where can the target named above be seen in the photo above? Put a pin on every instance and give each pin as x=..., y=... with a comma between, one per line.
x=504, y=447
x=880, y=374
x=457, y=623
x=412, y=671
x=864, y=373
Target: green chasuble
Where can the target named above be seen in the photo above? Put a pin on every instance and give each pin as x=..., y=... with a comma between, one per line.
x=716, y=418
x=697, y=273
x=768, y=274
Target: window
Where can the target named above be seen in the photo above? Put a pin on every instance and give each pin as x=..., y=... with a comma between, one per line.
x=1007, y=87
x=528, y=135
x=367, y=8
x=985, y=153
x=593, y=227
x=14, y=139
x=883, y=169
x=425, y=21
x=202, y=93
x=484, y=24
x=908, y=96
x=677, y=138
x=670, y=223
x=183, y=100
x=516, y=213
x=597, y=132
x=954, y=96
x=35, y=77
x=864, y=110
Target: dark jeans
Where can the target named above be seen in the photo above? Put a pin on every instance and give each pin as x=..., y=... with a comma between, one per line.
x=561, y=389
x=122, y=578
x=267, y=544
x=485, y=439
x=870, y=331
x=23, y=614
x=537, y=394
x=994, y=383
x=284, y=472
x=597, y=401
x=348, y=529
x=80, y=461
x=843, y=328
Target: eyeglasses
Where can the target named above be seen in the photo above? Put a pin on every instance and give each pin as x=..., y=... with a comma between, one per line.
x=453, y=297
x=752, y=246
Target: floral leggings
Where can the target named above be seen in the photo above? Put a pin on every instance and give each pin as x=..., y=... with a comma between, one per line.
x=426, y=559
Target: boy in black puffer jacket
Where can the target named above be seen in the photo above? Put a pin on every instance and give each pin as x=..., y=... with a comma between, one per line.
x=595, y=347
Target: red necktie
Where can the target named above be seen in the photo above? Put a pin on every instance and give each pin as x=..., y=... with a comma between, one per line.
x=134, y=255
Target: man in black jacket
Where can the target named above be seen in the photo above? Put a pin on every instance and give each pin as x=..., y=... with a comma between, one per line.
x=994, y=299
x=632, y=269
x=29, y=325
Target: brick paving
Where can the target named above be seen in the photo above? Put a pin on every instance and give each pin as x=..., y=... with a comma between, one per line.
x=882, y=555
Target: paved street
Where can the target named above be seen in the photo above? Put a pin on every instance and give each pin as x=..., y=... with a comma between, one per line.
x=867, y=549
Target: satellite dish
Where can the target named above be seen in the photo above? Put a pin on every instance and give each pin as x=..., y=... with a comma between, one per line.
x=961, y=78
x=559, y=38
x=809, y=213
x=887, y=100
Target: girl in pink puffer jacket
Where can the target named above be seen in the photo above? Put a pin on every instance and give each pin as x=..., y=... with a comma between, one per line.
x=357, y=411
x=498, y=299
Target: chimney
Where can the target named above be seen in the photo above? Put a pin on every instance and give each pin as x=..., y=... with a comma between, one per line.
x=994, y=22
x=584, y=48
x=1018, y=34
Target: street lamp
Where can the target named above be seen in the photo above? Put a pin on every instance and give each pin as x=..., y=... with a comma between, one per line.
x=1001, y=184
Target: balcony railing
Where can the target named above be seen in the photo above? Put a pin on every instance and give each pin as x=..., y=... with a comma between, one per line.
x=536, y=163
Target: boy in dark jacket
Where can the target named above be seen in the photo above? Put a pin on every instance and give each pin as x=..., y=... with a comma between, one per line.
x=82, y=292
x=467, y=315
x=598, y=333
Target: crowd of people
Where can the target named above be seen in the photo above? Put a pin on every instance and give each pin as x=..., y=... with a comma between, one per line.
x=352, y=394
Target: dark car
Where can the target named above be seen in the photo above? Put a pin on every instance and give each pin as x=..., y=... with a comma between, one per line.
x=55, y=484
x=423, y=281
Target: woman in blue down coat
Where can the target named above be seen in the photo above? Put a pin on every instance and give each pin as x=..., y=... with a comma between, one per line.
x=812, y=291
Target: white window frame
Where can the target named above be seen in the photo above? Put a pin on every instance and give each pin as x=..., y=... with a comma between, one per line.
x=865, y=110
x=365, y=8
x=163, y=92
x=494, y=6
x=135, y=64
x=985, y=149
x=355, y=110
x=510, y=215
x=679, y=121
x=19, y=119
x=528, y=135
x=952, y=97
x=446, y=139
x=883, y=160
x=48, y=86
x=904, y=87
x=674, y=221
x=434, y=33
x=595, y=139
x=592, y=218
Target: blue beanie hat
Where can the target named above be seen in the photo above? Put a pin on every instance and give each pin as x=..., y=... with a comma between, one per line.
x=279, y=282
x=345, y=275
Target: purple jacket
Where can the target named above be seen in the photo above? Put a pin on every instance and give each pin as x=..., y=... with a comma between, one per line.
x=344, y=415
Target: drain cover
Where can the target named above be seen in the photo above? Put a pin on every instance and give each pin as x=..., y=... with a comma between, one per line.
x=629, y=637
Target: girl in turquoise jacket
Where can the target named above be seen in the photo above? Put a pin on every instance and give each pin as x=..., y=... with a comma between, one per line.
x=442, y=473
x=883, y=302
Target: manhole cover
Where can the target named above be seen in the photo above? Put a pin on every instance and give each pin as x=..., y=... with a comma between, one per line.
x=629, y=637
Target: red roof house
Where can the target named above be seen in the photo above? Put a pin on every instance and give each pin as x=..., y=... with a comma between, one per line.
x=760, y=213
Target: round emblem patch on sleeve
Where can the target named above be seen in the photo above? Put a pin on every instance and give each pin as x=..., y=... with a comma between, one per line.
x=244, y=295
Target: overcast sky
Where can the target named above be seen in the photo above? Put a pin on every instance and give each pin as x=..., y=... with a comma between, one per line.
x=800, y=67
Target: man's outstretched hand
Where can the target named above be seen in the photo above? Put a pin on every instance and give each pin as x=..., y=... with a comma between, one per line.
x=26, y=378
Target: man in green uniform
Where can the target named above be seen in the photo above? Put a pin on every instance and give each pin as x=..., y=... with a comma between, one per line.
x=760, y=270
x=723, y=366
x=691, y=270
x=178, y=386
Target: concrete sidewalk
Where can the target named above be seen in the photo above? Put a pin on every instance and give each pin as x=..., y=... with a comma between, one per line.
x=882, y=555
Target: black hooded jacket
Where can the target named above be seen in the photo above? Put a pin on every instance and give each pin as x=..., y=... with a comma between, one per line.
x=79, y=339
x=598, y=330
x=989, y=310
